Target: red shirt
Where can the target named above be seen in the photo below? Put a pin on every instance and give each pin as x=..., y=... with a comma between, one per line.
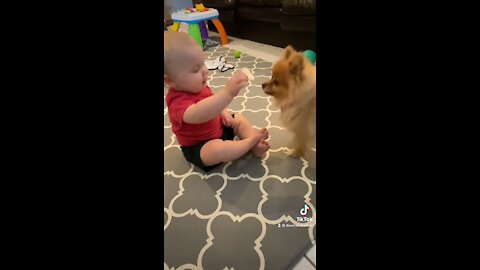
x=191, y=134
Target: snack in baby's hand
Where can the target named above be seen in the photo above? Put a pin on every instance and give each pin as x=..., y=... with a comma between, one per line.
x=248, y=73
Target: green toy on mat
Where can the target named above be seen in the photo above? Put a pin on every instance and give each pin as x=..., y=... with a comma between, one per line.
x=236, y=54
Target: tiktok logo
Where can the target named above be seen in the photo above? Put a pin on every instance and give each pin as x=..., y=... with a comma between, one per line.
x=304, y=210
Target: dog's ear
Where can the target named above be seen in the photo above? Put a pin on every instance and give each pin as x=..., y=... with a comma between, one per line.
x=295, y=65
x=289, y=50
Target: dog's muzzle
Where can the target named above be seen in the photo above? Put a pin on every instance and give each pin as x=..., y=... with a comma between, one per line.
x=264, y=85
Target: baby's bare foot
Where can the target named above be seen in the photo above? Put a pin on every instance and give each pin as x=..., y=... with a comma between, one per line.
x=260, y=149
x=264, y=133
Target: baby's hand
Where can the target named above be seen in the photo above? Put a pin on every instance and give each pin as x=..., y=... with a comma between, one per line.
x=227, y=119
x=238, y=81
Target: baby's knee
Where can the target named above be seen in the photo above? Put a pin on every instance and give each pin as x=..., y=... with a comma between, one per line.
x=239, y=117
x=238, y=120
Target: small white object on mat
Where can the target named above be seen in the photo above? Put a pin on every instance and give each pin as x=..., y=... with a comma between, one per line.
x=219, y=63
x=213, y=64
x=248, y=73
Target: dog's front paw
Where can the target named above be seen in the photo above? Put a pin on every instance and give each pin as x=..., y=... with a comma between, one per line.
x=295, y=153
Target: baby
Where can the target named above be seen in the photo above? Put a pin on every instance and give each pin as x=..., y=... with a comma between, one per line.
x=203, y=126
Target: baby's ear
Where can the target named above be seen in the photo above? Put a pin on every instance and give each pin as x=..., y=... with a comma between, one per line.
x=295, y=64
x=167, y=80
x=289, y=50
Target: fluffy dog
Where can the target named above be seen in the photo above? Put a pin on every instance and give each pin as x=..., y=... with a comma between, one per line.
x=293, y=87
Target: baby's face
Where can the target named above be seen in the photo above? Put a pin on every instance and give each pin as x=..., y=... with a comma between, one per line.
x=192, y=74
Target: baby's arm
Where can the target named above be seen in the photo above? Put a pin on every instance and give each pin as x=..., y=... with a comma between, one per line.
x=206, y=109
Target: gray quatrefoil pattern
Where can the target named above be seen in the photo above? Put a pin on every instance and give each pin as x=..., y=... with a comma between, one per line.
x=244, y=214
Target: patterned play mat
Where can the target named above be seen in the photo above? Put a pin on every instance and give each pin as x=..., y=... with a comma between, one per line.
x=247, y=214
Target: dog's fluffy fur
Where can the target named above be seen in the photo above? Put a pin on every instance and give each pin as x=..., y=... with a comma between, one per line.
x=293, y=86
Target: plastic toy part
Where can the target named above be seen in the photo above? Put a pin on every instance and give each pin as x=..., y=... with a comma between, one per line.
x=311, y=56
x=196, y=23
x=221, y=31
x=194, y=31
x=203, y=30
x=175, y=26
x=199, y=7
x=236, y=54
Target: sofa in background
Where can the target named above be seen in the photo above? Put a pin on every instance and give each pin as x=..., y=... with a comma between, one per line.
x=275, y=22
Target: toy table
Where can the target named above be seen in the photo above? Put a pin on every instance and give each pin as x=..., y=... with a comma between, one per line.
x=196, y=23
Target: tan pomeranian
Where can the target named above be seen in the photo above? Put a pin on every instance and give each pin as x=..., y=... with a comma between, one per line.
x=293, y=87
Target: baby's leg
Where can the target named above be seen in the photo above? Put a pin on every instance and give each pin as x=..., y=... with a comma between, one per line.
x=244, y=130
x=216, y=151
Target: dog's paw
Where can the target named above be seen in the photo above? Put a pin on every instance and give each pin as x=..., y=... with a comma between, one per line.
x=296, y=153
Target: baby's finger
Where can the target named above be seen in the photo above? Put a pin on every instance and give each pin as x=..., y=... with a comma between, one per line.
x=244, y=84
x=245, y=77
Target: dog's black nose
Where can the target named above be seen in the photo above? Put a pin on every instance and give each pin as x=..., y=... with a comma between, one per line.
x=263, y=85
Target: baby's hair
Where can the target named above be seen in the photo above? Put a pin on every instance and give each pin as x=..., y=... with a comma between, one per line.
x=174, y=46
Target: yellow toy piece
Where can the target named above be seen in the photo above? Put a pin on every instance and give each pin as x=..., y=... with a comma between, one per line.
x=199, y=7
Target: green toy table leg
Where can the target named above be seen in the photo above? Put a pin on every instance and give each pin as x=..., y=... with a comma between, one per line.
x=194, y=31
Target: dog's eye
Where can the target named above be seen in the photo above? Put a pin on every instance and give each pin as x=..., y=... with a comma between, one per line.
x=275, y=82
